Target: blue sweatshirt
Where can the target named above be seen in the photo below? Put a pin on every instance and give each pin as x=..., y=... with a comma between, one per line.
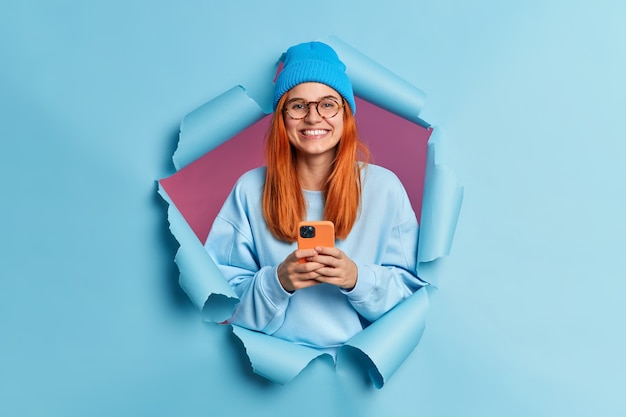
x=382, y=243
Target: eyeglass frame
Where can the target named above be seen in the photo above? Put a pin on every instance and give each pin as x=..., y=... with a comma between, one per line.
x=317, y=103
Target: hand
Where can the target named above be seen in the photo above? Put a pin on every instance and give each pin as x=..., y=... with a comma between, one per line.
x=298, y=270
x=337, y=268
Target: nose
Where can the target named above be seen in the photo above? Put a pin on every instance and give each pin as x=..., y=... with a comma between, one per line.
x=313, y=115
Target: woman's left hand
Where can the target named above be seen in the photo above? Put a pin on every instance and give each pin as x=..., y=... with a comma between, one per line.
x=338, y=269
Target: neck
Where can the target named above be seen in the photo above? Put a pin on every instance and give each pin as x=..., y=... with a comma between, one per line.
x=313, y=172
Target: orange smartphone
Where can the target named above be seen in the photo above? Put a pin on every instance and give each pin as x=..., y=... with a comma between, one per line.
x=314, y=234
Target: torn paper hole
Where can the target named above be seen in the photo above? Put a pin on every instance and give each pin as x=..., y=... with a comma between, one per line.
x=232, y=125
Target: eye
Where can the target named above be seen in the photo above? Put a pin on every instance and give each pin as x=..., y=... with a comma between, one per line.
x=297, y=106
x=328, y=104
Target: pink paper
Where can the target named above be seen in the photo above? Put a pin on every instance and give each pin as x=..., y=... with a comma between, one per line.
x=199, y=189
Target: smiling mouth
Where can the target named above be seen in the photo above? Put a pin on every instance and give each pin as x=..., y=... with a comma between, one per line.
x=314, y=132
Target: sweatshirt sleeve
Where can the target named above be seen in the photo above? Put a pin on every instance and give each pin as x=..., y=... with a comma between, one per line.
x=384, y=284
x=263, y=300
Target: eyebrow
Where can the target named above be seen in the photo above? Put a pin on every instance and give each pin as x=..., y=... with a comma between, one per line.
x=319, y=99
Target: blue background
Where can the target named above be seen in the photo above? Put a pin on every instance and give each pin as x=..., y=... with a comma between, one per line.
x=527, y=97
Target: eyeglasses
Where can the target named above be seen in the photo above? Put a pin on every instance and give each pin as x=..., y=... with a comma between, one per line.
x=326, y=108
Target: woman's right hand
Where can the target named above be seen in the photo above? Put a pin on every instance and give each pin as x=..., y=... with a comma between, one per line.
x=296, y=272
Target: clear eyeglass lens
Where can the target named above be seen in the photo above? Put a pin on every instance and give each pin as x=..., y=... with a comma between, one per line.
x=326, y=108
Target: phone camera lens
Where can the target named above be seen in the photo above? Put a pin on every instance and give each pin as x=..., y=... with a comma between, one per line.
x=307, y=232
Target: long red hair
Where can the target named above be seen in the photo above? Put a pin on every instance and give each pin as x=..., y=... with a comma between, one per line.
x=283, y=201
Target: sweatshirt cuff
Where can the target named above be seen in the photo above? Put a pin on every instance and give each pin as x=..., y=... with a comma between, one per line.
x=273, y=290
x=365, y=283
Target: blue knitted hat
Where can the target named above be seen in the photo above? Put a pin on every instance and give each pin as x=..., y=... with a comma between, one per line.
x=313, y=62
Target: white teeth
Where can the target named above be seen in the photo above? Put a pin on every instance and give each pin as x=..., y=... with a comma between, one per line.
x=316, y=132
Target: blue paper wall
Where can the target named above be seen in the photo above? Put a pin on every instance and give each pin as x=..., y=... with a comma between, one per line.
x=527, y=100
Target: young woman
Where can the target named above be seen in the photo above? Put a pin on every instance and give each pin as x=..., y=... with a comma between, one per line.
x=316, y=169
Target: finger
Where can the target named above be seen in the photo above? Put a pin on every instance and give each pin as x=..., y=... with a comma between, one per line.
x=330, y=280
x=306, y=284
x=308, y=267
x=327, y=261
x=305, y=253
x=329, y=272
x=334, y=252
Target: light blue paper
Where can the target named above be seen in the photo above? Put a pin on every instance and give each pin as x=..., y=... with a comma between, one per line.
x=441, y=205
x=377, y=84
x=199, y=276
x=213, y=123
x=275, y=359
x=386, y=343
x=90, y=310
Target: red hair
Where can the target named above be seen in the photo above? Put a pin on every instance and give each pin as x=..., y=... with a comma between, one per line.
x=283, y=201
